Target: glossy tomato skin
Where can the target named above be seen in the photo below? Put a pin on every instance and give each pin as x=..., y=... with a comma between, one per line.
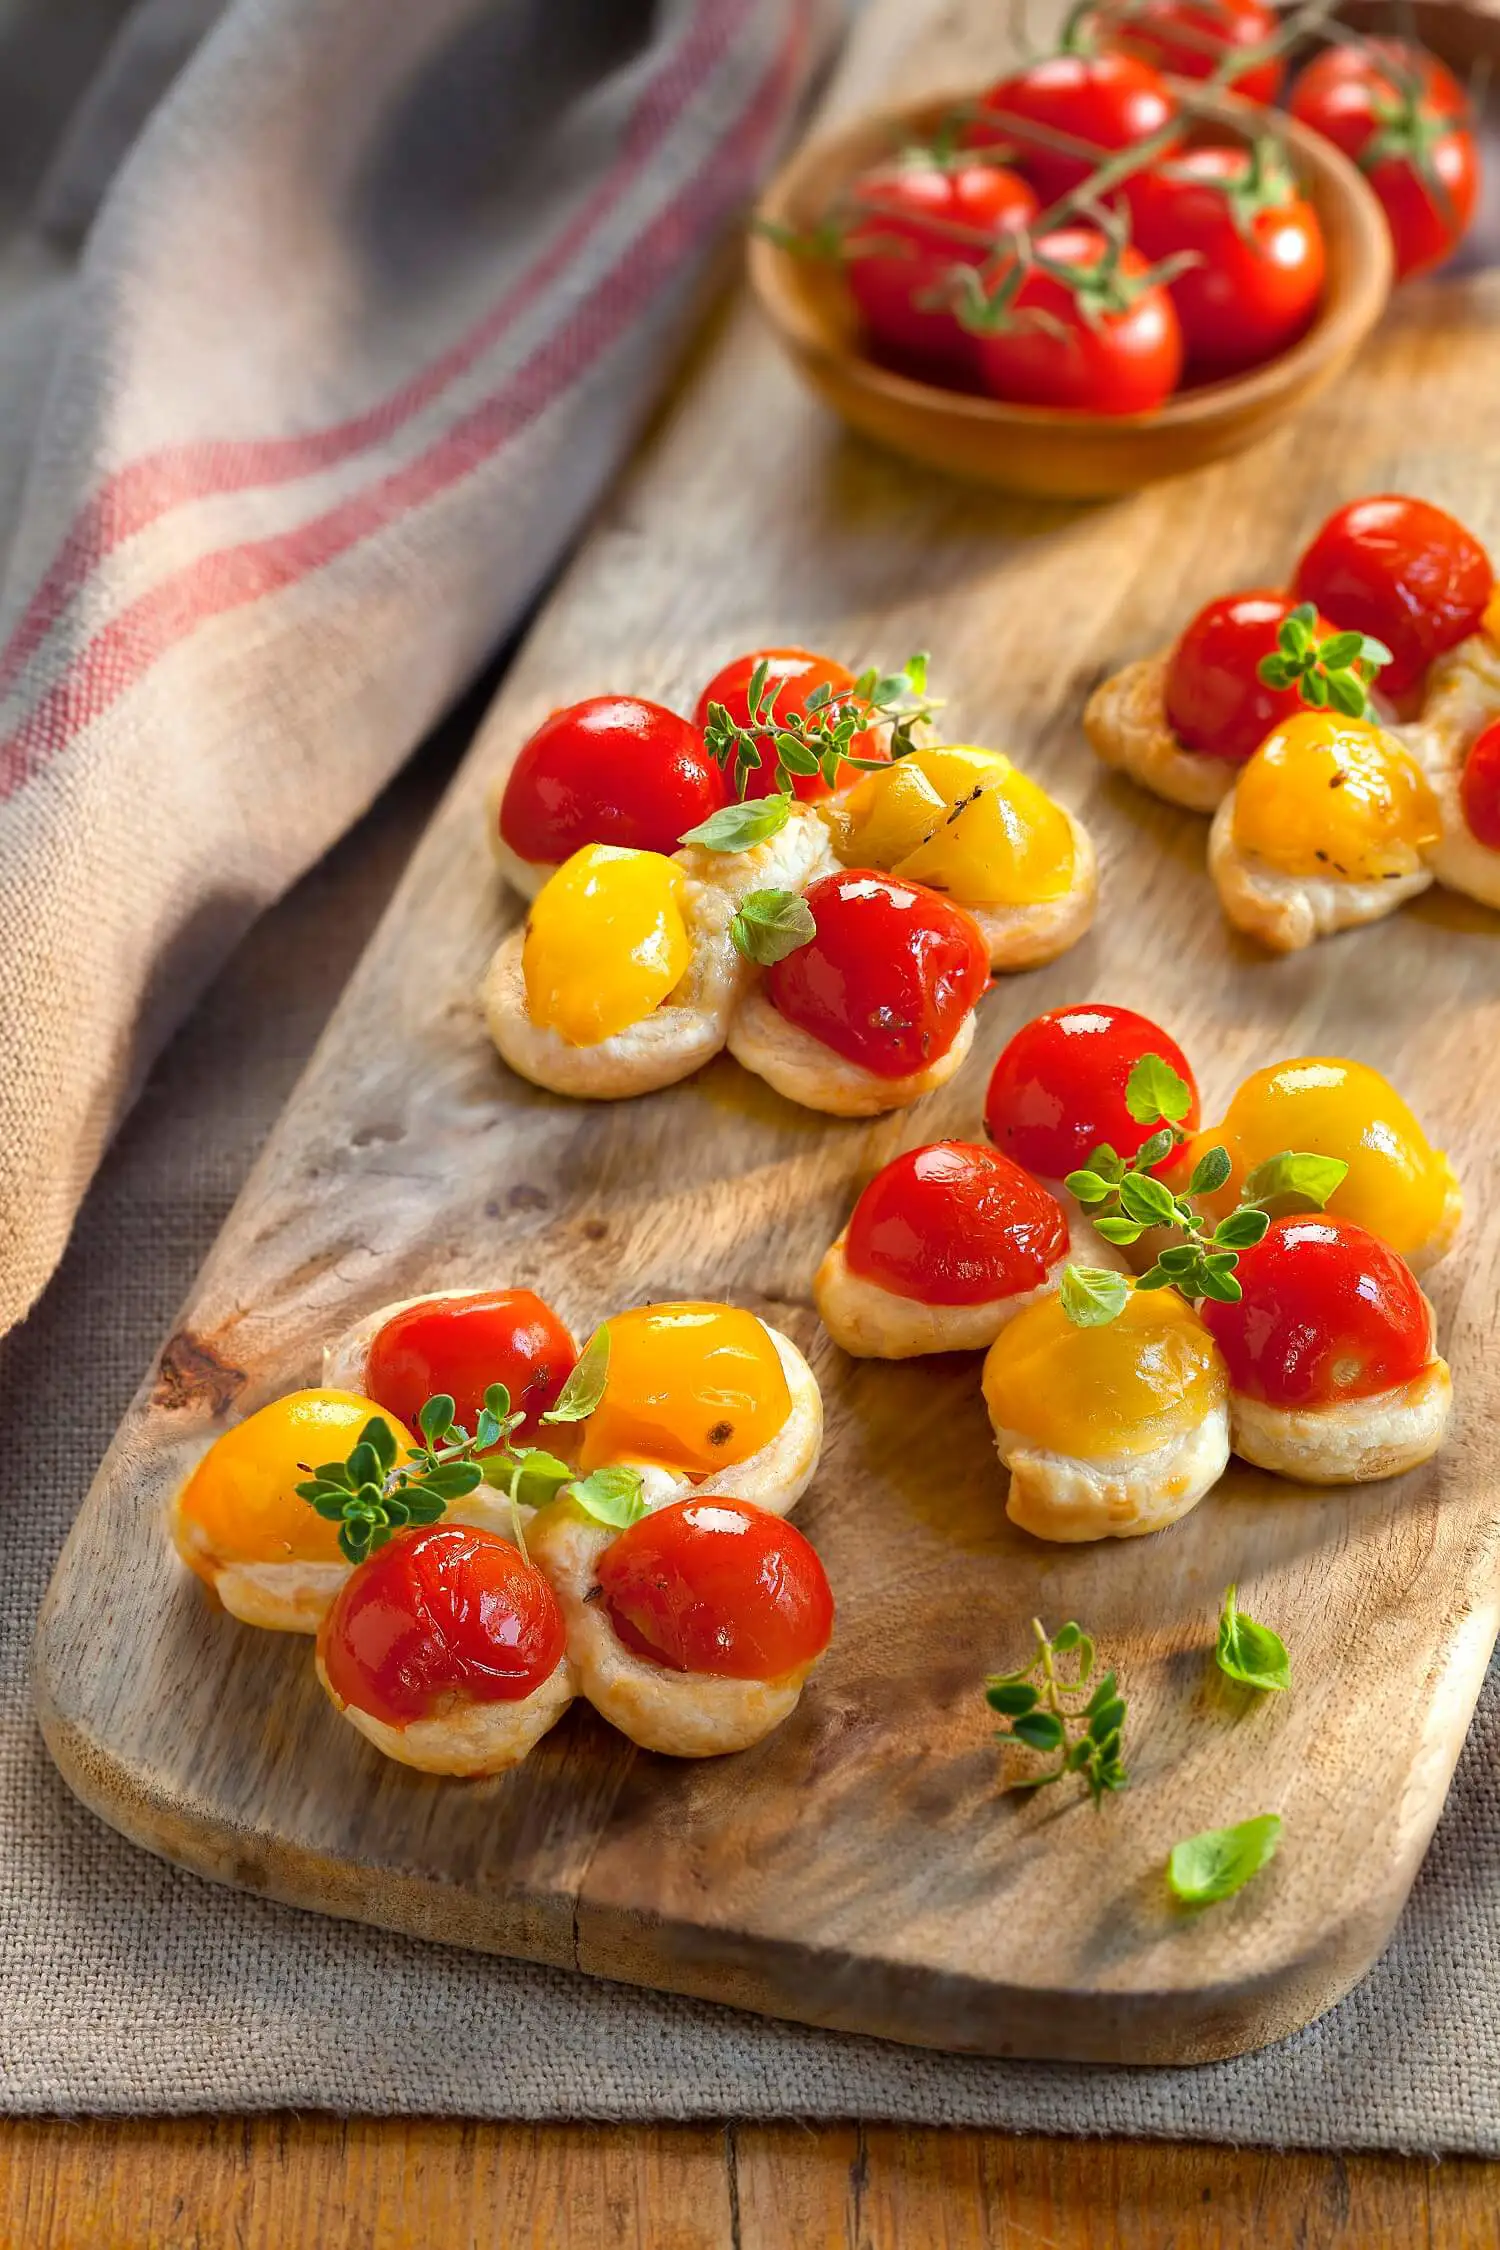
x=793, y=673
x=1111, y=101
x=1058, y=1090
x=1050, y=354
x=443, y=1610
x=889, y=976
x=955, y=1224
x=915, y=221
x=1328, y=1314
x=1216, y=702
x=610, y=770
x=460, y=1345
x=1189, y=39
x=1348, y=94
x=718, y=1586
x=1479, y=789
x=1257, y=285
x=1403, y=570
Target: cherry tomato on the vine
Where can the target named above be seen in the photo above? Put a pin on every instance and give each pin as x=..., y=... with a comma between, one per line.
x=1190, y=39
x=791, y=675
x=1403, y=117
x=1479, y=789
x=1259, y=249
x=1088, y=330
x=888, y=977
x=1058, y=1089
x=440, y=1610
x=914, y=221
x=718, y=1586
x=1216, y=701
x=460, y=1345
x=1106, y=102
x=955, y=1224
x=611, y=770
x=1402, y=570
x=1328, y=1313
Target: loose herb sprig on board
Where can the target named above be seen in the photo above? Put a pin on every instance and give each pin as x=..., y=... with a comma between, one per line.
x=373, y=1493
x=1052, y=1710
x=815, y=740
x=1124, y=1199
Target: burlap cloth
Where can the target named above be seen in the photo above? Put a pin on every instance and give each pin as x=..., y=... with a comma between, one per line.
x=125, y=1985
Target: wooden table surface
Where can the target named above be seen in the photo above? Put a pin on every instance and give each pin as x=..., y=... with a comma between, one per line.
x=273, y=2183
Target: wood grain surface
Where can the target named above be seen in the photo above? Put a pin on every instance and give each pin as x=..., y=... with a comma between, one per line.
x=268, y=2183
x=861, y=1867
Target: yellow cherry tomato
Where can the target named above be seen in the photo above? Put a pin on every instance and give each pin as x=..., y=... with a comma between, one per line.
x=605, y=943
x=1126, y=1387
x=892, y=811
x=1489, y=624
x=694, y=1387
x=1004, y=843
x=1397, y=1183
x=242, y=1497
x=1325, y=795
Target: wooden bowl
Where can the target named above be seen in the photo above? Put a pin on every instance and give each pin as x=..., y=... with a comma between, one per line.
x=1044, y=450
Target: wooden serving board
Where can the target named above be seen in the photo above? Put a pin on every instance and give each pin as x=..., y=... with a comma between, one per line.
x=861, y=1868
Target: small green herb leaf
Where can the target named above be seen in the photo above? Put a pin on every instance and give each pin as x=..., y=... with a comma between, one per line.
x=1147, y=1200
x=1241, y=1229
x=610, y=1495
x=1039, y=1730
x=584, y=1388
x=1092, y=1296
x=770, y=924
x=1248, y=1652
x=1154, y=1092
x=436, y=1418
x=1210, y=1172
x=1203, y=1869
x=1089, y=1187
x=1296, y=1180
x=1010, y=1697
x=1121, y=1231
x=533, y=1476
x=738, y=828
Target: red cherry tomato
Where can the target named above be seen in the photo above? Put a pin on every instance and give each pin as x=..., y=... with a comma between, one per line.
x=1190, y=38
x=1479, y=790
x=1064, y=344
x=915, y=221
x=1403, y=570
x=443, y=1610
x=1328, y=1313
x=1110, y=101
x=718, y=1586
x=1058, y=1089
x=793, y=674
x=463, y=1344
x=1259, y=245
x=955, y=1224
x=1404, y=119
x=611, y=770
x=1216, y=701
x=889, y=976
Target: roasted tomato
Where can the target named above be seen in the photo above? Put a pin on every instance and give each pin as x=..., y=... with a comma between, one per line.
x=612, y=770
x=460, y=1345
x=241, y=1503
x=1328, y=1313
x=955, y=1224
x=606, y=942
x=1329, y=796
x=1403, y=570
x=1479, y=789
x=1404, y=119
x=1084, y=332
x=1216, y=701
x=1191, y=38
x=694, y=1387
x=791, y=676
x=718, y=1586
x=1098, y=1393
x=1259, y=247
x=445, y=1612
x=914, y=221
x=889, y=976
x=1058, y=1090
x=1108, y=101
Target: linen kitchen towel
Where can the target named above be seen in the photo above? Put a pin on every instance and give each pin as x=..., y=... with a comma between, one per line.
x=322, y=323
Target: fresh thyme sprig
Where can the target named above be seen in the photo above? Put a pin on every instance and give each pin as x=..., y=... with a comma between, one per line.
x=1124, y=1199
x=373, y=1493
x=1337, y=670
x=817, y=739
x=1052, y=1709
